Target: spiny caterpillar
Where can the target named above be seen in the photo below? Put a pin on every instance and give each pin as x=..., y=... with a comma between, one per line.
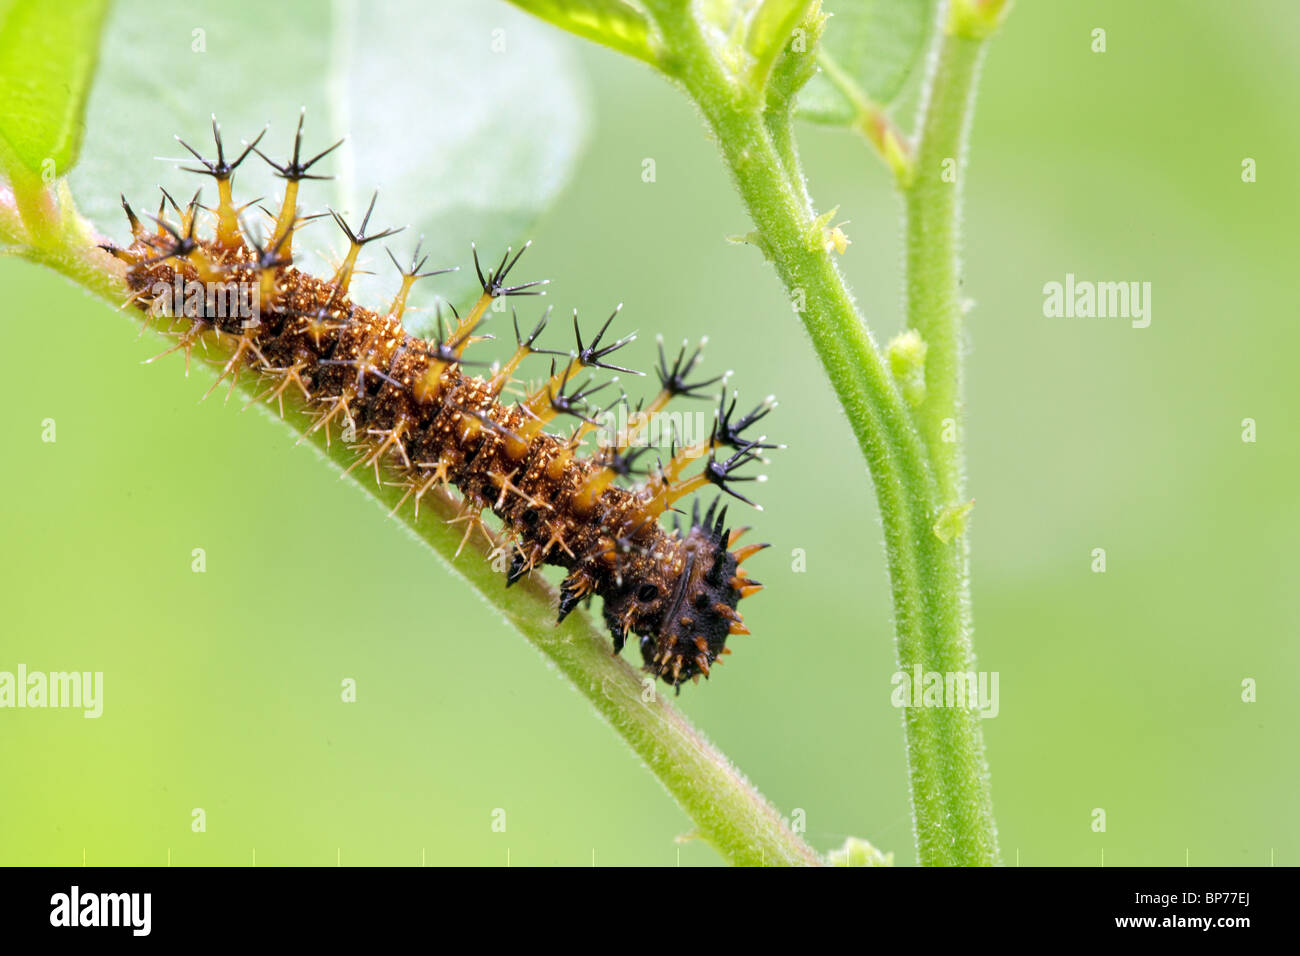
x=411, y=409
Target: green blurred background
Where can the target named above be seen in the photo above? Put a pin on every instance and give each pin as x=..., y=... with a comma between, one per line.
x=1119, y=691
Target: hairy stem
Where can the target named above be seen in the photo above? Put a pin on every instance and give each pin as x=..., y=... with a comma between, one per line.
x=916, y=472
x=729, y=813
x=933, y=236
x=932, y=199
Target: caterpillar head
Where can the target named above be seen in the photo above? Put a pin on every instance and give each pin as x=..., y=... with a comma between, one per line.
x=683, y=616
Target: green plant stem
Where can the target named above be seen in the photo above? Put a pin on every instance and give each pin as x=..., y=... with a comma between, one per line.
x=935, y=309
x=933, y=237
x=948, y=771
x=728, y=812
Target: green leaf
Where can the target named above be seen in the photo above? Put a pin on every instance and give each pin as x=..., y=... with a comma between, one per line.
x=875, y=44
x=613, y=23
x=467, y=117
x=47, y=59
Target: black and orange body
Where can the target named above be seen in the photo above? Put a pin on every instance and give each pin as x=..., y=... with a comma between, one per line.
x=420, y=420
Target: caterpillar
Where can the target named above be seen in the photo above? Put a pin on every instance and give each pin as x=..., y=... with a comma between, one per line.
x=413, y=412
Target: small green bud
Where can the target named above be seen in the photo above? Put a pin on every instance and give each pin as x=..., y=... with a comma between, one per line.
x=976, y=19
x=858, y=852
x=907, y=363
x=952, y=521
